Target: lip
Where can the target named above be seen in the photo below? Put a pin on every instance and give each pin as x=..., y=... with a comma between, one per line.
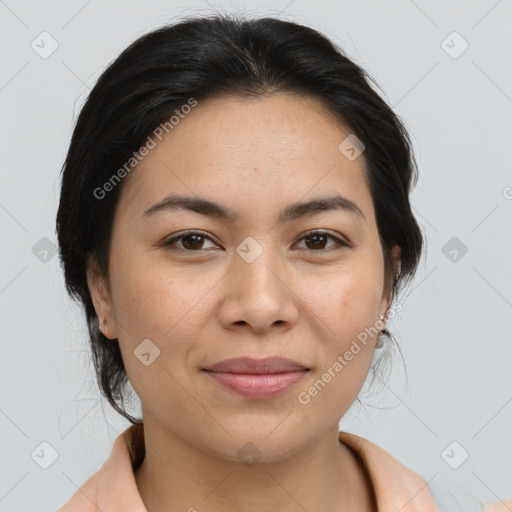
x=252, y=378
x=248, y=365
x=258, y=385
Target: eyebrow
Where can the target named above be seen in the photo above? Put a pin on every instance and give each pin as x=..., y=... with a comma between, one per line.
x=291, y=212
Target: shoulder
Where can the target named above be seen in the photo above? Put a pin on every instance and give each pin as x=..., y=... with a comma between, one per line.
x=113, y=486
x=84, y=499
x=394, y=483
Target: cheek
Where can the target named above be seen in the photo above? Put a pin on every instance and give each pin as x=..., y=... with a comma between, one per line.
x=349, y=306
x=347, y=302
x=153, y=301
x=148, y=298
x=151, y=305
x=136, y=294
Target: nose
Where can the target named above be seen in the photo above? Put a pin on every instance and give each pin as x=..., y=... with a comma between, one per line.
x=259, y=296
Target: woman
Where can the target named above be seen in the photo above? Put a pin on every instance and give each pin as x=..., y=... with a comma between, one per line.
x=235, y=220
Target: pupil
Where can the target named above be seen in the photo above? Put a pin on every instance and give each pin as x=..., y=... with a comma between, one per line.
x=197, y=238
x=316, y=237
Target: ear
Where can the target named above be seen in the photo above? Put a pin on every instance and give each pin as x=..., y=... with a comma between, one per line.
x=387, y=301
x=102, y=300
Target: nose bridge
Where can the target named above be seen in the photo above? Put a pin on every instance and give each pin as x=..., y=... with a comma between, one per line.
x=256, y=266
x=257, y=293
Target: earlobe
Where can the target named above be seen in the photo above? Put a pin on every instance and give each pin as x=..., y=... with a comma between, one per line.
x=396, y=253
x=102, y=302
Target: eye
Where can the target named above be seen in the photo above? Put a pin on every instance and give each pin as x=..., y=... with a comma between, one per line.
x=317, y=239
x=191, y=241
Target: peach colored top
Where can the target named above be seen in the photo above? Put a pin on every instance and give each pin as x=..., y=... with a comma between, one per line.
x=113, y=487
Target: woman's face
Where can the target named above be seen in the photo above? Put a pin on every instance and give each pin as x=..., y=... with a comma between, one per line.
x=252, y=285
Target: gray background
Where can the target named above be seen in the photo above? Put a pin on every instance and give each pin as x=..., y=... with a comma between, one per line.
x=455, y=328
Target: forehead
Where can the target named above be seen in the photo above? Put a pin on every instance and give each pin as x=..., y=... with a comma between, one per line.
x=244, y=151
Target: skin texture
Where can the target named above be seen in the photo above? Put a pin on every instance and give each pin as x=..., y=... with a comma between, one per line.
x=206, y=305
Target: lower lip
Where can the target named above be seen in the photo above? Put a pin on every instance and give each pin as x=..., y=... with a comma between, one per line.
x=258, y=386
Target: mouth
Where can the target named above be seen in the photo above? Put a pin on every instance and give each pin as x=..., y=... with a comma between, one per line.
x=248, y=365
x=253, y=378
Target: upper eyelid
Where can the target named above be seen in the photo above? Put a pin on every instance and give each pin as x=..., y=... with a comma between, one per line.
x=340, y=240
x=184, y=234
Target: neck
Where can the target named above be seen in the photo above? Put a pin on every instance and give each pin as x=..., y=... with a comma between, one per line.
x=178, y=476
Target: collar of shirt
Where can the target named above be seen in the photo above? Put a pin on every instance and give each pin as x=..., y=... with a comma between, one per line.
x=114, y=488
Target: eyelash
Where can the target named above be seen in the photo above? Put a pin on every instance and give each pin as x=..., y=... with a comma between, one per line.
x=171, y=243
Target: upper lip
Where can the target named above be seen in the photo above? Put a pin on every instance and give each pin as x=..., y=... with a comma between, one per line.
x=248, y=365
